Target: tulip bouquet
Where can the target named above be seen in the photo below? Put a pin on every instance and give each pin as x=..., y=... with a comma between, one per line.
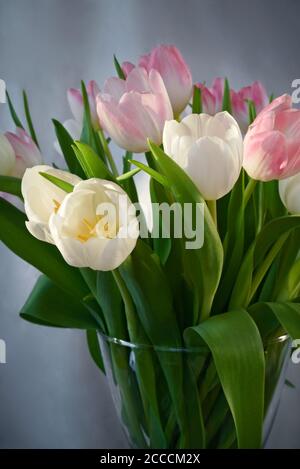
x=190, y=325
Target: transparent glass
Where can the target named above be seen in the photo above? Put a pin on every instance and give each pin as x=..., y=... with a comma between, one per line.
x=157, y=393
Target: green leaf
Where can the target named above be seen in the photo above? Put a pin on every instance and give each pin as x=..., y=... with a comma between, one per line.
x=129, y=184
x=28, y=119
x=257, y=254
x=128, y=175
x=11, y=185
x=88, y=134
x=119, y=69
x=13, y=113
x=94, y=348
x=45, y=257
x=90, y=162
x=251, y=111
x=268, y=316
x=238, y=354
x=226, y=105
x=48, y=305
x=110, y=300
x=154, y=174
x=197, y=100
x=271, y=232
x=233, y=245
x=203, y=280
x=142, y=276
x=161, y=245
x=273, y=202
x=66, y=141
x=65, y=186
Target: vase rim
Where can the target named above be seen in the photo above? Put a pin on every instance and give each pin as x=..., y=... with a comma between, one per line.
x=162, y=348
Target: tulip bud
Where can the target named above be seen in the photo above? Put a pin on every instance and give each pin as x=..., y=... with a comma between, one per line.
x=127, y=67
x=26, y=151
x=91, y=230
x=168, y=61
x=289, y=190
x=272, y=142
x=209, y=149
x=42, y=198
x=135, y=109
x=76, y=103
x=7, y=157
x=212, y=100
x=74, y=126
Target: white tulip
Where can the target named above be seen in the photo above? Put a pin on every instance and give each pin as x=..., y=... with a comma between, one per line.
x=209, y=149
x=42, y=198
x=95, y=226
x=7, y=157
x=289, y=190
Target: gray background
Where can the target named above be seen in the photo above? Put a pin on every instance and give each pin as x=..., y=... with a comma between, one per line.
x=51, y=394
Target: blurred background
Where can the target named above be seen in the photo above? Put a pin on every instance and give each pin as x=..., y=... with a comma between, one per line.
x=51, y=393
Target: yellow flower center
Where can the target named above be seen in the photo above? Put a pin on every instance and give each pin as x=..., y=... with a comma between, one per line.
x=90, y=232
x=56, y=205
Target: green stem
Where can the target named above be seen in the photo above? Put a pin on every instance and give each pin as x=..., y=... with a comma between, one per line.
x=108, y=153
x=249, y=191
x=129, y=306
x=212, y=206
x=267, y=264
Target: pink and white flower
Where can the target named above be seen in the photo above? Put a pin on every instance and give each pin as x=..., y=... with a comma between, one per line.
x=135, y=109
x=21, y=153
x=168, y=61
x=212, y=99
x=75, y=100
x=272, y=143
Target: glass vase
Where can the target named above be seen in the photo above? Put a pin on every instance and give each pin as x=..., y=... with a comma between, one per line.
x=158, y=393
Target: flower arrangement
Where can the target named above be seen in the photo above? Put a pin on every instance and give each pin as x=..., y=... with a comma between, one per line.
x=191, y=335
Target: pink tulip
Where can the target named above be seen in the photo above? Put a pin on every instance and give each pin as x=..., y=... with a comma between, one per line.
x=272, y=143
x=212, y=100
x=168, y=61
x=26, y=151
x=135, y=109
x=76, y=103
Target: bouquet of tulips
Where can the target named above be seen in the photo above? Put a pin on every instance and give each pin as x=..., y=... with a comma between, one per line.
x=189, y=316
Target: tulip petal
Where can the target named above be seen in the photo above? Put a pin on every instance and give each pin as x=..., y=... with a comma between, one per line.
x=168, y=61
x=76, y=103
x=119, y=126
x=289, y=190
x=24, y=147
x=75, y=227
x=7, y=156
x=265, y=155
x=213, y=167
x=127, y=67
x=115, y=87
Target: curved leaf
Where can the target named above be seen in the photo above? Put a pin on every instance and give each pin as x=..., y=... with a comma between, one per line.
x=11, y=185
x=50, y=306
x=271, y=234
x=94, y=348
x=65, y=142
x=268, y=317
x=238, y=354
x=90, y=162
x=203, y=266
x=45, y=257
